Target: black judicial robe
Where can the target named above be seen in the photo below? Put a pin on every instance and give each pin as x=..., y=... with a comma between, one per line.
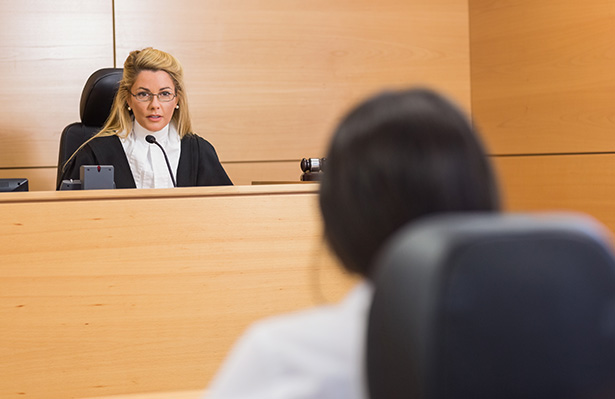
x=198, y=162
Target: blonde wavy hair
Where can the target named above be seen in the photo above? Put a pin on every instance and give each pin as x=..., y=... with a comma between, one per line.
x=119, y=122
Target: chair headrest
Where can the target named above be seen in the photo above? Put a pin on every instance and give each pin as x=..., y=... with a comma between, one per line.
x=494, y=306
x=97, y=96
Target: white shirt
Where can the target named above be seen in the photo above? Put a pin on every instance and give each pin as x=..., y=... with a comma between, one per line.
x=147, y=163
x=316, y=354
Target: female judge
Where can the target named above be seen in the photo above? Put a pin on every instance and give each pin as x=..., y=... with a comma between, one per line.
x=150, y=101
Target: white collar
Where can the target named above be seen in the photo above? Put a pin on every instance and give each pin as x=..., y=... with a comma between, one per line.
x=147, y=163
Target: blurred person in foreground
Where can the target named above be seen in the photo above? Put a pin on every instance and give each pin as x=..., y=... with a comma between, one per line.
x=395, y=158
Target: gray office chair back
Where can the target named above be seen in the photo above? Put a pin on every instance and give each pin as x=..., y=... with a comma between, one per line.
x=494, y=306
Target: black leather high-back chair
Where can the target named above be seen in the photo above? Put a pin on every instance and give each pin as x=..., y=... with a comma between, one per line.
x=96, y=100
x=494, y=306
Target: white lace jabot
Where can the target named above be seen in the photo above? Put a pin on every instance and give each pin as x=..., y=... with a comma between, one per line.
x=146, y=160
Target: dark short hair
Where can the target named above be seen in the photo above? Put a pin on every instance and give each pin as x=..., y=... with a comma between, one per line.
x=394, y=158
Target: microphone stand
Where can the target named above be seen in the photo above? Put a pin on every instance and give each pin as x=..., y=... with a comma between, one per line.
x=152, y=140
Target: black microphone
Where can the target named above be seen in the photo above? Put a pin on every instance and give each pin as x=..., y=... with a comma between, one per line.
x=152, y=140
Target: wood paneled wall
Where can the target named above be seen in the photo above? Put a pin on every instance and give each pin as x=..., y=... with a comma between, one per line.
x=543, y=90
x=266, y=80
x=576, y=182
x=48, y=50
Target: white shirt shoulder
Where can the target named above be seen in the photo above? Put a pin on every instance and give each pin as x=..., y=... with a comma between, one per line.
x=316, y=353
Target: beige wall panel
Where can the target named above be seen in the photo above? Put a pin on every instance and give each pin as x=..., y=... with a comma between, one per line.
x=39, y=179
x=48, y=50
x=542, y=74
x=268, y=80
x=258, y=172
x=584, y=183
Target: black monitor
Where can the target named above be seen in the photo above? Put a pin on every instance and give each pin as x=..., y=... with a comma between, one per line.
x=16, y=184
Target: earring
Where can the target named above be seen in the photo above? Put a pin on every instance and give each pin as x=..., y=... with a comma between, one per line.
x=129, y=109
x=177, y=106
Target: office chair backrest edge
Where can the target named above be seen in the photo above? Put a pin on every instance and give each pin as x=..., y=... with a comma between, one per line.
x=432, y=242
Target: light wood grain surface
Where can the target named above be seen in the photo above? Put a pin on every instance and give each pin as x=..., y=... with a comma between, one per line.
x=542, y=75
x=49, y=49
x=246, y=173
x=583, y=183
x=268, y=80
x=127, y=291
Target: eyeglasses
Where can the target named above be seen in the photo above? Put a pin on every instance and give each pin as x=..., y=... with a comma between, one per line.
x=146, y=96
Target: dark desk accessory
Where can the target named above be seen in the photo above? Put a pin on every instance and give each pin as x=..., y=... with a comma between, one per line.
x=92, y=177
x=14, y=184
x=313, y=168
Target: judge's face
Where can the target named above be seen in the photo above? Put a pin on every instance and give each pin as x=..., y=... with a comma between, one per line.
x=147, y=99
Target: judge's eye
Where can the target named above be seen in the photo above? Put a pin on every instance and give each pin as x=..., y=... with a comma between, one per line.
x=165, y=95
x=143, y=96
